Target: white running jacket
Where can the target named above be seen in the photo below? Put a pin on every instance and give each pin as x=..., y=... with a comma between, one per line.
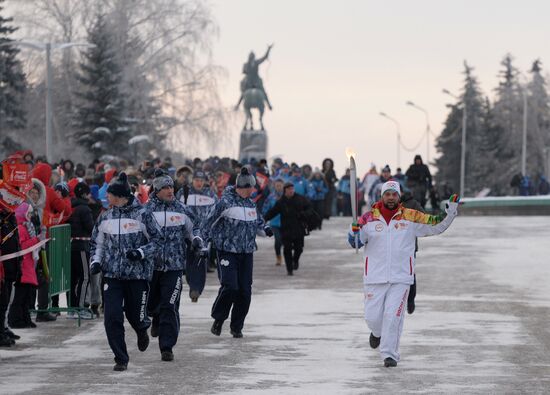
x=388, y=254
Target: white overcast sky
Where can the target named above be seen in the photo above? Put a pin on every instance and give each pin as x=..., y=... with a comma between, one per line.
x=337, y=64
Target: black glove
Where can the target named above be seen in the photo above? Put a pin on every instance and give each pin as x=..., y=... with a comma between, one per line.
x=268, y=231
x=203, y=253
x=95, y=268
x=197, y=243
x=134, y=255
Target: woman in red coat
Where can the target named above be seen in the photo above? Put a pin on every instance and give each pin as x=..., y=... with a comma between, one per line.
x=19, y=316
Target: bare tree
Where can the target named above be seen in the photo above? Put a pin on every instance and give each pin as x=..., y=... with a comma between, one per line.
x=164, y=47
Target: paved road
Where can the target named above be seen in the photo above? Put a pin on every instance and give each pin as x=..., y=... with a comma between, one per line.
x=481, y=326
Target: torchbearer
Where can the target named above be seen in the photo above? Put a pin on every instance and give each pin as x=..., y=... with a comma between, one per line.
x=388, y=234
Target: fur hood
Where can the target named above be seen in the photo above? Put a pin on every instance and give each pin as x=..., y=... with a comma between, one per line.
x=42, y=192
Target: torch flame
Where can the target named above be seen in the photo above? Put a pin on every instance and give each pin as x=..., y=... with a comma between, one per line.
x=350, y=153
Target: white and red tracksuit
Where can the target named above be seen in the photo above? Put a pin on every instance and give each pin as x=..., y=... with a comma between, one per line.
x=389, y=239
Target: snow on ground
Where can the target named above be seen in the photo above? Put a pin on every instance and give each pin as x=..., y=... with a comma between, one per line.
x=481, y=326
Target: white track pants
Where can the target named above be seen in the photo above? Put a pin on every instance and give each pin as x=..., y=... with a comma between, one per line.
x=385, y=307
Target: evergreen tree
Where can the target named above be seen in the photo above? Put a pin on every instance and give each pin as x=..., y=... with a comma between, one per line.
x=508, y=118
x=538, y=126
x=12, y=80
x=100, y=112
x=449, y=143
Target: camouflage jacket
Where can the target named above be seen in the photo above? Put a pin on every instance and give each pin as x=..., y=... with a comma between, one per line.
x=200, y=204
x=233, y=224
x=178, y=229
x=119, y=230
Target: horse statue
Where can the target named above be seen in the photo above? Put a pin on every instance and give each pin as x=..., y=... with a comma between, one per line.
x=253, y=94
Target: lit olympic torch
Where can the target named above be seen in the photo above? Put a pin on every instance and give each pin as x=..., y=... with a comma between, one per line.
x=350, y=153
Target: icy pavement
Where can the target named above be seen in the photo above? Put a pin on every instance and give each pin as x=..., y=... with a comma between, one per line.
x=482, y=325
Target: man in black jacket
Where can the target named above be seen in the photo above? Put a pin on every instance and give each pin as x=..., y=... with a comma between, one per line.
x=408, y=201
x=419, y=180
x=82, y=224
x=294, y=210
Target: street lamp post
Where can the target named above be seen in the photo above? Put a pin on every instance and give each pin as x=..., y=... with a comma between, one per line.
x=410, y=103
x=398, y=130
x=463, y=144
x=48, y=48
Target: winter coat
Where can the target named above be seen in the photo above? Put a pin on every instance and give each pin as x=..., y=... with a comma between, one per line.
x=317, y=189
x=8, y=226
x=389, y=248
x=54, y=204
x=200, y=204
x=419, y=175
x=28, y=266
x=174, y=223
x=344, y=185
x=233, y=224
x=294, y=212
x=300, y=185
x=270, y=202
x=82, y=224
x=39, y=206
x=119, y=230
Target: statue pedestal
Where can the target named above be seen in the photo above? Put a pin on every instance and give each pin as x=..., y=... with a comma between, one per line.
x=253, y=144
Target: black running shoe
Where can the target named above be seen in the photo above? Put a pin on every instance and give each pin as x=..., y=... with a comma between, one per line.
x=167, y=355
x=410, y=306
x=11, y=335
x=194, y=295
x=217, y=327
x=5, y=341
x=143, y=340
x=236, y=334
x=120, y=367
x=390, y=362
x=374, y=341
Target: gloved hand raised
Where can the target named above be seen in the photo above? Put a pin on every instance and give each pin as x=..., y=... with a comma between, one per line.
x=268, y=231
x=95, y=268
x=134, y=255
x=451, y=207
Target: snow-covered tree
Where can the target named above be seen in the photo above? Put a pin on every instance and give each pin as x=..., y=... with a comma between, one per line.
x=100, y=109
x=12, y=80
x=508, y=118
x=449, y=142
x=538, y=126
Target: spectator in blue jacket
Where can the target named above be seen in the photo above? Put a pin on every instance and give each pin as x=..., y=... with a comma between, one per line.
x=344, y=195
x=124, y=243
x=300, y=183
x=317, y=192
x=275, y=222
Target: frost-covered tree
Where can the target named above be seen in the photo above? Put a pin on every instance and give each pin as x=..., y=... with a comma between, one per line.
x=100, y=108
x=449, y=143
x=169, y=81
x=12, y=80
x=508, y=118
x=538, y=130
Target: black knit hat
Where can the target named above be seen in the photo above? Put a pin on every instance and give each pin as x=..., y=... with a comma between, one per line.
x=81, y=189
x=245, y=179
x=119, y=187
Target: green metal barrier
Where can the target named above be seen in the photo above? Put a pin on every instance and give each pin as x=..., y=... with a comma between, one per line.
x=59, y=259
x=59, y=267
